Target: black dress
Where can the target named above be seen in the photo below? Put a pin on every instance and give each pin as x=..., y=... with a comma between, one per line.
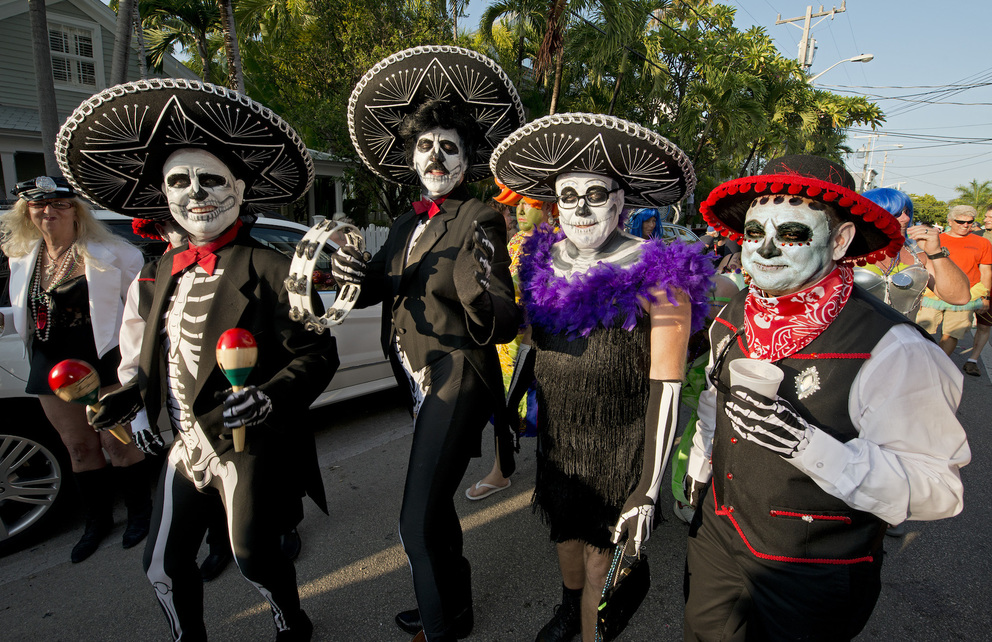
x=591, y=396
x=70, y=337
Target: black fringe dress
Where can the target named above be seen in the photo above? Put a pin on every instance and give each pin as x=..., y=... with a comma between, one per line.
x=591, y=398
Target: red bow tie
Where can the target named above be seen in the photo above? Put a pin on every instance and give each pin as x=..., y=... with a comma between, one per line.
x=203, y=255
x=429, y=206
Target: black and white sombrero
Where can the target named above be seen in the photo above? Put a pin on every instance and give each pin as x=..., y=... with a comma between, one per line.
x=651, y=169
x=114, y=145
x=398, y=85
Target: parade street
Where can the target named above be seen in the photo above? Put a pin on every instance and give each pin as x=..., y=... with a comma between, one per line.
x=354, y=577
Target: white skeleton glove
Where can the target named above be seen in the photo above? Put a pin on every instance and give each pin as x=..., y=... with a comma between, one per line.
x=246, y=407
x=771, y=423
x=149, y=442
x=474, y=266
x=637, y=514
x=348, y=265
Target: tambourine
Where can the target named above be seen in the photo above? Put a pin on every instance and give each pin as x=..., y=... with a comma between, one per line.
x=299, y=284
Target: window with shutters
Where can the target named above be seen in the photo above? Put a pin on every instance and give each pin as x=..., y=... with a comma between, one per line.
x=76, y=51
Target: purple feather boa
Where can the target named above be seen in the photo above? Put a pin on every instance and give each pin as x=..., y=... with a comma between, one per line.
x=607, y=295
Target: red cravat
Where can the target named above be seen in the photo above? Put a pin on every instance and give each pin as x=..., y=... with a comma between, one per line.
x=203, y=255
x=429, y=206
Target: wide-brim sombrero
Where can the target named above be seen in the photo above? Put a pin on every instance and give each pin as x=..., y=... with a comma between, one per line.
x=114, y=145
x=878, y=232
x=398, y=85
x=650, y=168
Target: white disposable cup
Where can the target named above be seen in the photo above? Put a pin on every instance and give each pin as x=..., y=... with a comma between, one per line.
x=760, y=376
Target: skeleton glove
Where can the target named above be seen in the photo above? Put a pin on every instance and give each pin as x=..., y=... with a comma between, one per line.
x=246, y=407
x=348, y=265
x=771, y=423
x=473, y=268
x=637, y=514
x=116, y=408
x=149, y=442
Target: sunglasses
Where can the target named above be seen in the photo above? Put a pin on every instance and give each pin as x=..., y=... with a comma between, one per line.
x=58, y=205
x=963, y=222
x=595, y=196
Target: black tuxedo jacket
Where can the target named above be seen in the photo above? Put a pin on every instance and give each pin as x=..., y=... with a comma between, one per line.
x=294, y=365
x=421, y=305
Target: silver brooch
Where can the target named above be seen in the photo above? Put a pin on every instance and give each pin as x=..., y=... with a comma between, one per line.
x=807, y=382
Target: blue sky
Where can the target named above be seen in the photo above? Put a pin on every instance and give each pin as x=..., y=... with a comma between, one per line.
x=918, y=47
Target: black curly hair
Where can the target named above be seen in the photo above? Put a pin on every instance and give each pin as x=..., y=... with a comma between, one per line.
x=439, y=113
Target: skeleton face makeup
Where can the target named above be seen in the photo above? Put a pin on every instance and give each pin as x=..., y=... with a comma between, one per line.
x=439, y=159
x=788, y=244
x=588, y=208
x=204, y=197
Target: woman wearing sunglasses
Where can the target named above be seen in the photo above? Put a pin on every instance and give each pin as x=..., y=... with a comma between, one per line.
x=69, y=275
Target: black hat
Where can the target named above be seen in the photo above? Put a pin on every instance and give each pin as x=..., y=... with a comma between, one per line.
x=44, y=187
x=395, y=87
x=114, y=145
x=651, y=170
x=878, y=232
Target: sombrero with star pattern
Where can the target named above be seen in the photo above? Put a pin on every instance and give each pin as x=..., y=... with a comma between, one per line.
x=396, y=86
x=651, y=170
x=114, y=145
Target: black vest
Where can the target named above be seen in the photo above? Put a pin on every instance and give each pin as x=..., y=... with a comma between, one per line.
x=779, y=512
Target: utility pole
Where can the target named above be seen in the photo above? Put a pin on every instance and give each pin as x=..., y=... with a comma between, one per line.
x=807, y=46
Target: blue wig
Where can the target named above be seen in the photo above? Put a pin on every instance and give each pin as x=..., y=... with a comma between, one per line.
x=635, y=222
x=892, y=201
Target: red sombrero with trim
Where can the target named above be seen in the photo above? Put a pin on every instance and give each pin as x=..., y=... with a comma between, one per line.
x=878, y=234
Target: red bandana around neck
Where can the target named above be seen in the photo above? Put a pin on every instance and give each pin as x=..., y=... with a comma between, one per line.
x=429, y=206
x=778, y=327
x=203, y=255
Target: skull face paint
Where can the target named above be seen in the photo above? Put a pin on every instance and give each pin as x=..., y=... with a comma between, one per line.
x=440, y=161
x=588, y=224
x=204, y=197
x=787, y=244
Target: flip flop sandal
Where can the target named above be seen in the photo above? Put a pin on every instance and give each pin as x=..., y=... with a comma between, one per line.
x=490, y=489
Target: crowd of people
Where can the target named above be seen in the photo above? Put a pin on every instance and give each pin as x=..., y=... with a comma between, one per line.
x=560, y=312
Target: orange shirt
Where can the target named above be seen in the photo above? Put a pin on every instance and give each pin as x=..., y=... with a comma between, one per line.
x=968, y=252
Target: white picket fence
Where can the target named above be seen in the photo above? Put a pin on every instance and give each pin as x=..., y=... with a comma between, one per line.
x=375, y=237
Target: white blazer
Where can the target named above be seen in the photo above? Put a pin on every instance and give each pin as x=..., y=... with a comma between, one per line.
x=107, y=278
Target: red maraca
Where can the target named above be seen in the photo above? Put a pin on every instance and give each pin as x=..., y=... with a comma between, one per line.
x=76, y=381
x=237, y=354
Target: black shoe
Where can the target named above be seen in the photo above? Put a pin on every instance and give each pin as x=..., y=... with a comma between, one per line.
x=300, y=629
x=95, y=532
x=290, y=543
x=214, y=563
x=410, y=622
x=137, y=528
x=564, y=626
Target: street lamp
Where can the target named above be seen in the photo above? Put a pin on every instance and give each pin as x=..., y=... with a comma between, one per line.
x=858, y=58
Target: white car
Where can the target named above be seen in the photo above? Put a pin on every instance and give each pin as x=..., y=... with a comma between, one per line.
x=33, y=461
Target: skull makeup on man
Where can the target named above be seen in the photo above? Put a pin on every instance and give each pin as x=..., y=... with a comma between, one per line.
x=610, y=316
x=443, y=279
x=794, y=491
x=220, y=279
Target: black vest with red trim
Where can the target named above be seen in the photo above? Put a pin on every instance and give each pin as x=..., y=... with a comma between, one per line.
x=778, y=511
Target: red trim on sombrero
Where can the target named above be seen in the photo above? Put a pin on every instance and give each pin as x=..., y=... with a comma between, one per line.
x=853, y=204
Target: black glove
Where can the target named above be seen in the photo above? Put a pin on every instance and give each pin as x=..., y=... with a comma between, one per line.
x=116, y=408
x=693, y=490
x=772, y=423
x=246, y=407
x=149, y=442
x=348, y=265
x=473, y=267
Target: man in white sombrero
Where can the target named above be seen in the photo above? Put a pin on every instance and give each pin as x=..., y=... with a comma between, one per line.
x=611, y=316
x=202, y=155
x=794, y=491
x=430, y=116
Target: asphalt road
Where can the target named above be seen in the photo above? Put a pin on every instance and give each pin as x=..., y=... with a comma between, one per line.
x=353, y=575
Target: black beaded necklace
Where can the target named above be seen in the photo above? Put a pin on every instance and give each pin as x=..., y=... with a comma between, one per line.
x=41, y=299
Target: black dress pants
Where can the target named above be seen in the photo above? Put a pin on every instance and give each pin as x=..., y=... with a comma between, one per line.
x=447, y=434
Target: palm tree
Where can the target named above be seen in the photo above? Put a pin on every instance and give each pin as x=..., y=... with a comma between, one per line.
x=235, y=77
x=522, y=17
x=47, y=109
x=978, y=195
x=122, y=41
x=191, y=24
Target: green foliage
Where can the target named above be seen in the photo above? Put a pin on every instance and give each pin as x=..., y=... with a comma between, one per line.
x=927, y=209
x=978, y=195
